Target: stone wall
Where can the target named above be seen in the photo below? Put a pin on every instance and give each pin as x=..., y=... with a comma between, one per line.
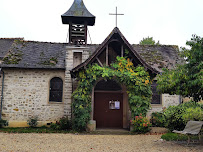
x=26, y=94
x=186, y=99
x=166, y=101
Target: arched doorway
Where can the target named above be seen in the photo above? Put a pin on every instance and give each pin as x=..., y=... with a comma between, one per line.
x=108, y=104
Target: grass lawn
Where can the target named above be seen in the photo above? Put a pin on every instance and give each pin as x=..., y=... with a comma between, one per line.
x=178, y=137
x=32, y=130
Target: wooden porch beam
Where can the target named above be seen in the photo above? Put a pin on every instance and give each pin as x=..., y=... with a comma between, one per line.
x=99, y=62
x=122, y=51
x=107, y=55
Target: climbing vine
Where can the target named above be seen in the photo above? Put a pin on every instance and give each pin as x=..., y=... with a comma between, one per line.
x=136, y=79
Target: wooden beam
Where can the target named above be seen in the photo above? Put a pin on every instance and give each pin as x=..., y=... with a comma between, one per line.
x=122, y=51
x=107, y=55
x=85, y=33
x=99, y=61
x=92, y=104
x=70, y=32
x=114, y=40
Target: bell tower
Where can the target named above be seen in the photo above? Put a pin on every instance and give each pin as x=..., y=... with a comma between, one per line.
x=78, y=18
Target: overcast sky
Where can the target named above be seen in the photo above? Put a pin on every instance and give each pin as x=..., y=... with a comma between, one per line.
x=172, y=22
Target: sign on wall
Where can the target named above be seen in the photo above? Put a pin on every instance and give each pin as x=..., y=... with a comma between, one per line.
x=114, y=104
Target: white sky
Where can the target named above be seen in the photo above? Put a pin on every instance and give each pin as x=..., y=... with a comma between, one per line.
x=169, y=21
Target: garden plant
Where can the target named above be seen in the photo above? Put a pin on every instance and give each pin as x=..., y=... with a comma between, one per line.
x=136, y=79
x=140, y=124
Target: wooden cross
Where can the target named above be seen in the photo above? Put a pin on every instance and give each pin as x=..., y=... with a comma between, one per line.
x=116, y=15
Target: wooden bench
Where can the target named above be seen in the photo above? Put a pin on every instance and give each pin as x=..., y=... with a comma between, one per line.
x=191, y=128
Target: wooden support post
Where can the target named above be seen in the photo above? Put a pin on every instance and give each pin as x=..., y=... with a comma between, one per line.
x=122, y=51
x=70, y=32
x=92, y=104
x=107, y=55
x=85, y=33
x=99, y=62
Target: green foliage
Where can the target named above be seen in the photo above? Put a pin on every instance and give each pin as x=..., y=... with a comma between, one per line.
x=174, y=137
x=177, y=116
x=158, y=119
x=32, y=121
x=140, y=124
x=3, y=123
x=186, y=79
x=32, y=130
x=55, y=126
x=63, y=124
x=148, y=41
x=13, y=57
x=195, y=113
x=51, y=61
x=136, y=79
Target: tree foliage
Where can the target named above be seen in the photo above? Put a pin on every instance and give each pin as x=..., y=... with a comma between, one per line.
x=136, y=79
x=186, y=79
x=148, y=41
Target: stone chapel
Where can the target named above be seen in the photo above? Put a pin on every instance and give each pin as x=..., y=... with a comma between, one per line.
x=38, y=78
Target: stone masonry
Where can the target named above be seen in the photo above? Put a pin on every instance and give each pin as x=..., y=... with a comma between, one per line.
x=26, y=94
x=166, y=101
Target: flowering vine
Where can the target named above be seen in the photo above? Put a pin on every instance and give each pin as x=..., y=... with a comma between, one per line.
x=136, y=79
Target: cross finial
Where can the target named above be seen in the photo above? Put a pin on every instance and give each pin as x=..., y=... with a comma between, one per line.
x=116, y=15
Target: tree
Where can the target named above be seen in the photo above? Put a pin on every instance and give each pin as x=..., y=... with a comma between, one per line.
x=148, y=41
x=186, y=79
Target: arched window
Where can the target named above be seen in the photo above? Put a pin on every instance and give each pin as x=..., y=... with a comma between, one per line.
x=56, y=90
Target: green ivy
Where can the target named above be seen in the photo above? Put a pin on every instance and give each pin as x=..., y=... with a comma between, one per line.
x=136, y=79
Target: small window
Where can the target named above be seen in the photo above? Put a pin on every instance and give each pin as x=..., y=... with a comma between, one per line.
x=56, y=90
x=156, y=97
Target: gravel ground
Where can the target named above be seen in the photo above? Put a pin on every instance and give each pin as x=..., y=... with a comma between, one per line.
x=87, y=143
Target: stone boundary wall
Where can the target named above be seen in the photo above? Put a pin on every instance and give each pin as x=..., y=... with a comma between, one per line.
x=166, y=101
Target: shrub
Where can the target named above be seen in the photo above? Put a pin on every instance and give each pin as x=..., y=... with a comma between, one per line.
x=177, y=116
x=173, y=118
x=32, y=121
x=63, y=124
x=193, y=114
x=55, y=126
x=158, y=119
x=140, y=124
x=3, y=123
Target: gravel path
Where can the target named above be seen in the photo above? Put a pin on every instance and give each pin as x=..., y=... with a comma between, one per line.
x=88, y=143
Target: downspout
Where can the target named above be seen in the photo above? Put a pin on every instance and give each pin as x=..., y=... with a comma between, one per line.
x=2, y=91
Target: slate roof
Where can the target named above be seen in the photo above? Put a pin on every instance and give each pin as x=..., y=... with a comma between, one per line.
x=18, y=53
x=5, y=45
x=159, y=56
x=29, y=54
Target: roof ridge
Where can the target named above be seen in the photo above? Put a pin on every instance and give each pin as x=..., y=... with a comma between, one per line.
x=22, y=39
x=154, y=45
x=18, y=38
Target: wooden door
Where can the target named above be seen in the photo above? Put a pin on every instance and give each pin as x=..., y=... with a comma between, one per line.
x=104, y=116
